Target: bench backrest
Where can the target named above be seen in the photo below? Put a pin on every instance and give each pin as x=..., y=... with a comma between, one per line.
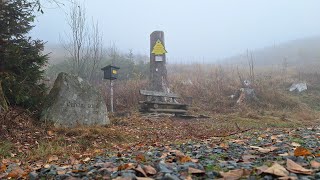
x=158, y=94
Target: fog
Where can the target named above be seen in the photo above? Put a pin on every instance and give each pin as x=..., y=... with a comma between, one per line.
x=206, y=30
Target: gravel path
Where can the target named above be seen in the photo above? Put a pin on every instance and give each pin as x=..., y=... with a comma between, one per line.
x=251, y=155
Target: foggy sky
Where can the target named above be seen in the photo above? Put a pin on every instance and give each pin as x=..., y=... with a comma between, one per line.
x=194, y=29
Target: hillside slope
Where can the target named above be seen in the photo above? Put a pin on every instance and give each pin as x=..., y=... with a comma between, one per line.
x=296, y=52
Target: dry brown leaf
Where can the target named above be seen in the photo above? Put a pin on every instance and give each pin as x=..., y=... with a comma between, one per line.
x=195, y=171
x=79, y=170
x=149, y=170
x=277, y=169
x=261, y=169
x=16, y=172
x=61, y=172
x=317, y=155
x=3, y=168
x=5, y=161
x=248, y=157
x=185, y=159
x=144, y=178
x=126, y=166
x=288, y=178
x=301, y=151
x=315, y=164
x=53, y=158
x=139, y=169
x=296, y=168
x=50, y=133
x=224, y=145
x=178, y=153
x=194, y=160
x=164, y=155
x=233, y=174
x=274, y=137
x=140, y=158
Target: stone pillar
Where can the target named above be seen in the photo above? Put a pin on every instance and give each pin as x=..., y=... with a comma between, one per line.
x=158, y=70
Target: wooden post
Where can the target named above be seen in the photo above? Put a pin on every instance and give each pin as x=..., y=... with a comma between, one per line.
x=158, y=70
x=111, y=95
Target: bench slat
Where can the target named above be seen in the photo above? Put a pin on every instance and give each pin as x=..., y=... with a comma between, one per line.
x=164, y=103
x=158, y=94
x=168, y=110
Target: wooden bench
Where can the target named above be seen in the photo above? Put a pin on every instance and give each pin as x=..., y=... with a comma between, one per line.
x=161, y=102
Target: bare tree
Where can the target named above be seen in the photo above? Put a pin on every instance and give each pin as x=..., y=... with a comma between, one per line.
x=84, y=46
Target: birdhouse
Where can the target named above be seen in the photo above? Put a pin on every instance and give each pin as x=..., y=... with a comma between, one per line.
x=110, y=72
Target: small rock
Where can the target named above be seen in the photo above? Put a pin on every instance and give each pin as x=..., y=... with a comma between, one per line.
x=163, y=168
x=33, y=175
x=169, y=176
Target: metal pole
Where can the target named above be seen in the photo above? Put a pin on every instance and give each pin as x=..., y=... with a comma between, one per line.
x=111, y=95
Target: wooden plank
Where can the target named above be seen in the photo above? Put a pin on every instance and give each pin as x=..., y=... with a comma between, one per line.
x=168, y=110
x=164, y=103
x=158, y=94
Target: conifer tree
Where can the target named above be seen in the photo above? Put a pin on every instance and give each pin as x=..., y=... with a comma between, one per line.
x=21, y=59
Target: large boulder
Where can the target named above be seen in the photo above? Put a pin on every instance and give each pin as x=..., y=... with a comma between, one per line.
x=73, y=101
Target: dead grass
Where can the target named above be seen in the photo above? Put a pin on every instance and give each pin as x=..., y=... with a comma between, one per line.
x=210, y=87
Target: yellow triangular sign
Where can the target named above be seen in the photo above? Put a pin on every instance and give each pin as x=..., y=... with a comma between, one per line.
x=158, y=48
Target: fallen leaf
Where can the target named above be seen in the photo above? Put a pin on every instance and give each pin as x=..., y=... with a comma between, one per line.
x=301, y=151
x=149, y=170
x=315, y=164
x=5, y=161
x=274, y=137
x=296, y=168
x=232, y=174
x=97, y=151
x=195, y=171
x=261, y=169
x=194, y=160
x=277, y=169
x=79, y=170
x=52, y=158
x=288, y=178
x=3, y=168
x=185, y=159
x=50, y=133
x=144, y=178
x=248, y=157
x=126, y=166
x=140, y=158
x=224, y=145
x=16, y=172
x=139, y=169
x=178, y=153
x=61, y=172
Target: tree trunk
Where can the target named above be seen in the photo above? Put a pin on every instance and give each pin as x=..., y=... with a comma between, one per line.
x=3, y=101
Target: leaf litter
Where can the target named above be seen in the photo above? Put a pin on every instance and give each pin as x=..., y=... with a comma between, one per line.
x=166, y=148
